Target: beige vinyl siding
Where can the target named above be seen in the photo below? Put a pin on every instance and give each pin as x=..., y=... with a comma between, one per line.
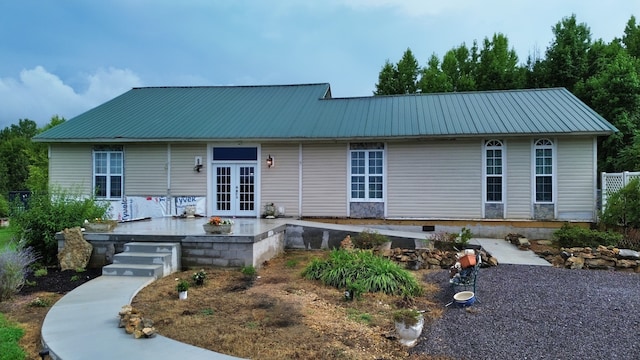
x=518, y=177
x=280, y=184
x=71, y=167
x=575, y=178
x=145, y=170
x=435, y=179
x=324, y=180
x=184, y=180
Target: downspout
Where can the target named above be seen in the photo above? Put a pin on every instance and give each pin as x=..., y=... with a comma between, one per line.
x=300, y=181
x=168, y=202
x=595, y=180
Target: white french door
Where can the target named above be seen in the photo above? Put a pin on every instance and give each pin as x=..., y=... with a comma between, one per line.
x=235, y=189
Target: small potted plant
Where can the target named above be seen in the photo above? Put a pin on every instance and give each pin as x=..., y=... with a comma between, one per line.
x=199, y=277
x=216, y=225
x=182, y=287
x=270, y=211
x=99, y=225
x=409, y=323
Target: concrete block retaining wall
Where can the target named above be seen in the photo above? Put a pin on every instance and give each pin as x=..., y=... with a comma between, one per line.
x=197, y=251
x=315, y=238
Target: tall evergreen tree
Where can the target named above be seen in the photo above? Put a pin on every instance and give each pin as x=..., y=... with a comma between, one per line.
x=631, y=38
x=400, y=78
x=498, y=67
x=388, y=83
x=566, y=61
x=433, y=79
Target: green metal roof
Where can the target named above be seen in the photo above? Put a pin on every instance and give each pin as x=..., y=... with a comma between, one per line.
x=290, y=112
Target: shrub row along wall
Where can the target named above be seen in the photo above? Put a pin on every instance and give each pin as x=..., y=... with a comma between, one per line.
x=602, y=257
x=431, y=258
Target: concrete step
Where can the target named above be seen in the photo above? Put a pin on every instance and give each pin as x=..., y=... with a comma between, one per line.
x=172, y=264
x=155, y=271
x=142, y=258
x=150, y=247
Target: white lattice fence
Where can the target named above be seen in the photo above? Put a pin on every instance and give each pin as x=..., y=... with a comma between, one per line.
x=613, y=182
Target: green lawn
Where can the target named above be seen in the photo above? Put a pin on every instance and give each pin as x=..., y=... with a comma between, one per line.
x=5, y=236
x=10, y=334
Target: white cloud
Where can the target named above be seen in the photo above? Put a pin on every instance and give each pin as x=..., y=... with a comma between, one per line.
x=413, y=8
x=38, y=94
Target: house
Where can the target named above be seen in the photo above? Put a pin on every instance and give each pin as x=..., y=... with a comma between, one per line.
x=230, y=150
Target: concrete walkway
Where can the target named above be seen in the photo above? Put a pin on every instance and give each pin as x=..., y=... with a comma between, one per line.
x=84, y=325
x=507, y=253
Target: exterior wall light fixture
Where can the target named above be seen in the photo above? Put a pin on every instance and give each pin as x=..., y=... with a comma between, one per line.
x=270, y=161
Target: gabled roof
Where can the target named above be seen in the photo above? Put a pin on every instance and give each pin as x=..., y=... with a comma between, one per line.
x=297, y=112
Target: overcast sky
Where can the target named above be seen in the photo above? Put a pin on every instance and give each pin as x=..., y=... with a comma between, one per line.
x=63, y=57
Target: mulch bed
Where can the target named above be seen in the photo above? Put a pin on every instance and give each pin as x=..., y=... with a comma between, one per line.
x=58, y=281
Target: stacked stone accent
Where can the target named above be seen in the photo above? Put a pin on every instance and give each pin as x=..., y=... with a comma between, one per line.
x=602, y=257
x=135, y=324
x=416, y=259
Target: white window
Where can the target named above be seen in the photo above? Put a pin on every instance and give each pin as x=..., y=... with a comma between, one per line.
x=493, y=170
x=108, y=172
x=367, y=171
x=543, y=171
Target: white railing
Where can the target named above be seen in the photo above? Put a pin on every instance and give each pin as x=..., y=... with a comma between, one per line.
x=613, y=182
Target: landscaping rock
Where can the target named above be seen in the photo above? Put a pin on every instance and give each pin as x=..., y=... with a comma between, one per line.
x=433, y=258
x=134, y=323
x=602, y=257
x=523, y=243
x=76, y=252
x=574, y=262
x=628, y=254
x=544, y=242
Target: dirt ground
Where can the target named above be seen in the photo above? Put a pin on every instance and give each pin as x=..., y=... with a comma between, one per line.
x=275, y=315
x=278, y=314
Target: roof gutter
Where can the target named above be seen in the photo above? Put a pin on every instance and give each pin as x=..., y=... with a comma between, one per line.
x=298, y=139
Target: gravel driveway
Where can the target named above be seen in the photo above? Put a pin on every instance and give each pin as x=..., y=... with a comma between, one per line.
x=536, y=312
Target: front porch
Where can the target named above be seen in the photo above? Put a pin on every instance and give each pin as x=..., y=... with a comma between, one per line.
x=254, y=241
x=250, y=243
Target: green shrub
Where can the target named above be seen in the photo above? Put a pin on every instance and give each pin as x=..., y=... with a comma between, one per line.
x=409, y=317
x=364, y=270
x=10, y=334
x=368, y=239
x=47, y=214
x=576, y=236
x=623, y=207
x=14, y=263
x=41, y=272
x=464, y=236
x=40, y=302
x=248, y=270
x=4, y=207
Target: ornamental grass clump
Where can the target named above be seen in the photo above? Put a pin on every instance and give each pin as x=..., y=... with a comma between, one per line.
x=371, y=273
x=14, y=264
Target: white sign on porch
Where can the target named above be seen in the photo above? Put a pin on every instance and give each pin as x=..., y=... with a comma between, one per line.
x=141, y=207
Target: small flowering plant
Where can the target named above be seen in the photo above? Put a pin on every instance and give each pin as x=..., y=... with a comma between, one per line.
x=199, y=277
x=216, y=221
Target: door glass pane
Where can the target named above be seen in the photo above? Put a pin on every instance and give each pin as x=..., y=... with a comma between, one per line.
x=223, y=188
x=247, y=188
